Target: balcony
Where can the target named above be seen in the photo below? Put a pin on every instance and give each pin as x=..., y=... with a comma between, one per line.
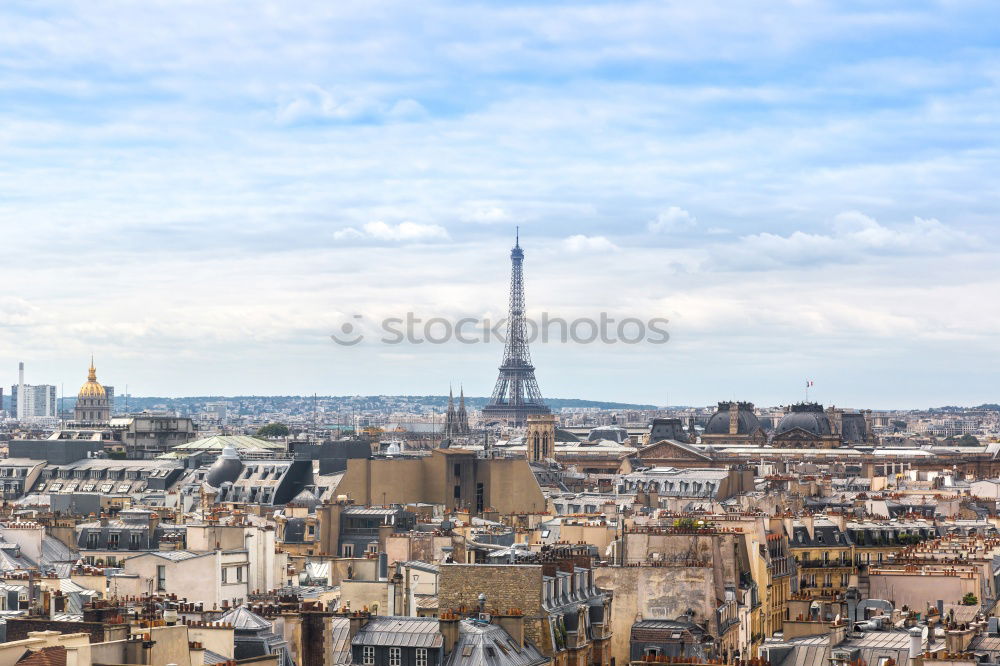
x=828, y=564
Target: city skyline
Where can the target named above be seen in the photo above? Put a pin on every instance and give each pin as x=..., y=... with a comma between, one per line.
x=805, y=197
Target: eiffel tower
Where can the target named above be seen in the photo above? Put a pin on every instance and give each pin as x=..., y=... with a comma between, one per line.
x=516, y=394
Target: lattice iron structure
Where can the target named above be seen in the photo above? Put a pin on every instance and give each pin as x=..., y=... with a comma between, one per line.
x=516, y=394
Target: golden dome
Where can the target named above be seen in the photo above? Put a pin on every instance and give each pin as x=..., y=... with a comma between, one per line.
x=92, y=389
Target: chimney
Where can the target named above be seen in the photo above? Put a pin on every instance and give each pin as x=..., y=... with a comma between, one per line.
x=809, y=522
x=358, y=620
x=916, y=647
x=328, y=518
x=838, y=632
x=449, y=624
x=513, y=623
x=840, y=519
x=957, y=640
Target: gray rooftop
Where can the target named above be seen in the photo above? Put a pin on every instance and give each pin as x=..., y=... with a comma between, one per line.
x=393, y=631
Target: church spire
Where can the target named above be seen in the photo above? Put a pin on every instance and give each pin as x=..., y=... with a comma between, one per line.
x=463, y=416
x=451, y=418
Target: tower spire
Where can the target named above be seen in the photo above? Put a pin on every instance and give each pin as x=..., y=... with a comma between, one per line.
x=516, y=393
x=463, y=415
x=450, y=417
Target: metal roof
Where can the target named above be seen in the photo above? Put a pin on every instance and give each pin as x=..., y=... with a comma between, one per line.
x=340, y=641
x=242, y=618
x=484, y=644
x=219, y=442
x=395, y=631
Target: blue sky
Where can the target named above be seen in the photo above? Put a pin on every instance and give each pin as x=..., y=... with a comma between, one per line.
x=200, y=192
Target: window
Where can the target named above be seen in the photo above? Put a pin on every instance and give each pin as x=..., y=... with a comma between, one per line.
x=347, y=550
x=458, y=469
x=239, y=574
x=457, y=492
x=395, y=657
x=92, y=538
x=113, y=540
x=134, y=540
x=225, y=574
x=368, y=655
x=161, y=577
x=421, y=656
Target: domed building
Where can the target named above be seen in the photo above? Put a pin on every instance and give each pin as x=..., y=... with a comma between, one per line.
x=226, y=468
x=806, y=426
x=734, y=424
x=92, y=402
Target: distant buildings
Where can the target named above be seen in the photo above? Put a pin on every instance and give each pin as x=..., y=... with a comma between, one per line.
x=37, y=401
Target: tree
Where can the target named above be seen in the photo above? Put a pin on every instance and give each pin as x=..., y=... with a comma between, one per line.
x=970, y=599
x=273, y=430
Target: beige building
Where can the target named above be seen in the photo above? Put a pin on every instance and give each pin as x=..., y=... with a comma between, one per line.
x=216, y=578
x=455, y=478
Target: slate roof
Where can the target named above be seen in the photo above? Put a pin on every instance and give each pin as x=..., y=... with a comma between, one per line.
x=212, y=658
x=54, y=550
x=816, y=650
x=393, y=631
x=243, y=619
x=340, y=640
x=422, y=566
x=484, y=644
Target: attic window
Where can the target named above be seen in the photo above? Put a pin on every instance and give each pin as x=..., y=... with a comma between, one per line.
x=467, y=650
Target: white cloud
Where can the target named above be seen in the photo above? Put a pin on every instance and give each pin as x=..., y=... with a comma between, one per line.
x=854, y=237
x=672, y=220
x=254, y=129
x=488, y=215
x=407, y=109
x=314, y=103
x=580, y=243
x=402, y=232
